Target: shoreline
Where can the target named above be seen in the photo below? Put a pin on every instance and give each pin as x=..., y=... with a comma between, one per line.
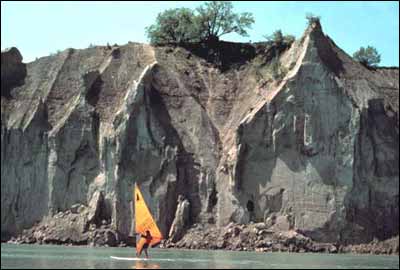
x=250, y=240
x=74, y=228
x=257, y=237
x=198, y=249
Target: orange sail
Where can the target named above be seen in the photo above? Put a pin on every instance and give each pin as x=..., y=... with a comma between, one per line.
x=144, y=221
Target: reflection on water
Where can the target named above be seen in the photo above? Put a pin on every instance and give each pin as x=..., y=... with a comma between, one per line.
x=53, y=257
x=146, y=265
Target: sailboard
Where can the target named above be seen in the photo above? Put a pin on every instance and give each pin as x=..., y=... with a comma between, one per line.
x=141, y=259
x=144, y=221
x=128, y=258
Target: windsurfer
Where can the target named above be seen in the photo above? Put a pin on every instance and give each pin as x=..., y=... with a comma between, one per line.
x=148, y=239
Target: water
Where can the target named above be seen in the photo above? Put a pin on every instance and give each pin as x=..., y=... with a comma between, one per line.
x=34, y=256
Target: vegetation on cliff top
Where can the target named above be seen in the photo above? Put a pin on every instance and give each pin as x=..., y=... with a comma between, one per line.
x=279, y=39
x=369, y=56
x=207, y=23
x=311, y=18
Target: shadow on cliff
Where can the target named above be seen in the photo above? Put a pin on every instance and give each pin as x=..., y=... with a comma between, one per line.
x=26, y=166
x=369, y=212
x=232, y=55
x=171, y=159
x=372, y=212
x=188, y=171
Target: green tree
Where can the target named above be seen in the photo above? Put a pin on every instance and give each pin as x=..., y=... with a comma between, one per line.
x=208, y=22
x=216, y=18
x=173, y=26
x=369, y=56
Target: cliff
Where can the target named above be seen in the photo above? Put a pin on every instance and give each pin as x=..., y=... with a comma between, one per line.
x=300, y=138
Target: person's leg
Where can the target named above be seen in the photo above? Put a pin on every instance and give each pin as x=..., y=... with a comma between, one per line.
x=140, y=253
x=145, y=252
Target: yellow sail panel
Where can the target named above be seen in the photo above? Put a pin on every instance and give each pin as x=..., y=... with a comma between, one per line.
x=144, y=220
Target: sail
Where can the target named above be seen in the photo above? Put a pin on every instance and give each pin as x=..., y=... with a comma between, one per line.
x=144, y=221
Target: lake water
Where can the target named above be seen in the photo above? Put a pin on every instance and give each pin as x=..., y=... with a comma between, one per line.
x=36, y=256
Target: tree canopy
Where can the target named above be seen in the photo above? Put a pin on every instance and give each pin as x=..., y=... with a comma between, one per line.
x=208, y=22
x=173, y=26
x=216, y=18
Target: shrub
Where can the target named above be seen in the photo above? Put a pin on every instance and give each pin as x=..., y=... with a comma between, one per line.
x=278, y=72
x=289, y=39
x=369, y=56
x=311, y=18
x=278, y=38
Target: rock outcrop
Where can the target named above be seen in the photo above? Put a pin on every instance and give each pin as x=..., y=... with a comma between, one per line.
x=300, y=138
x=13, y=71
x=181, y=221
x=80, y=225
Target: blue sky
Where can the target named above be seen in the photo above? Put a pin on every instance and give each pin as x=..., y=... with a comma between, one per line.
x=40, y=28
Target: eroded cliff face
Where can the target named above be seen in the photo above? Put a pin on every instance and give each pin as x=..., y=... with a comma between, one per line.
x=308, y=154
x=312, y=144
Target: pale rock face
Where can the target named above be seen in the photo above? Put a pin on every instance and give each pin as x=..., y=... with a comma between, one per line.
x=316, y=151
x=181, y=221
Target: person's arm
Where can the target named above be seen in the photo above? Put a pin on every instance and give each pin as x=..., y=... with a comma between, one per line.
x=141, y=235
